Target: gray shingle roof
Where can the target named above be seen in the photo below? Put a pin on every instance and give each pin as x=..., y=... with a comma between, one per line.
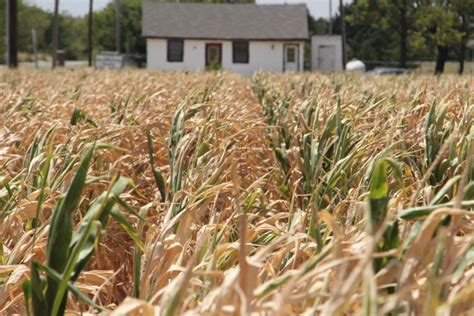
x=225, y=21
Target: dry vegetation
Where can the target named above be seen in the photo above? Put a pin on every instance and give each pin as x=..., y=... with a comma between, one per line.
x=216, y=194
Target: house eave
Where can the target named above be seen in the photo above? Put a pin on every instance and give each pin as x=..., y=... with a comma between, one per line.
x=299, y=39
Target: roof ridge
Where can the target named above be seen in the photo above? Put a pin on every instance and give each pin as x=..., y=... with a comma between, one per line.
x=225, y=21
x=226, y=4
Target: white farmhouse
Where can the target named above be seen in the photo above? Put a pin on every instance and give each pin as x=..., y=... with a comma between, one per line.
x=238, y=37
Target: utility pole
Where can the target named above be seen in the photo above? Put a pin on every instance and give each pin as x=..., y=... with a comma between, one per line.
x=330, y=17
x=12, y=28
x=55, y=33
x=117, y=26
x=343, y=34
x=89, y=39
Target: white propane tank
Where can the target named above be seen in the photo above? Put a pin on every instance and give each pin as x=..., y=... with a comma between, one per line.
x=355, y=65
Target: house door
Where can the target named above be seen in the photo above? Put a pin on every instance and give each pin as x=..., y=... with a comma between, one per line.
x=291, y=57
x=213, y=56
x=326, y=57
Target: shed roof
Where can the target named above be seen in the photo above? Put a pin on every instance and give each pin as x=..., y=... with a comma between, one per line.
x=225, y=21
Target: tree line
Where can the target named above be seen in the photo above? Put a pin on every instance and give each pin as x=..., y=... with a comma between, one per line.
x=377, y=30
x=73, y=30
x=411, y=30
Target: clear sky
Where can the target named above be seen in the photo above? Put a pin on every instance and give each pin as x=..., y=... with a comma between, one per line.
x=318, y=8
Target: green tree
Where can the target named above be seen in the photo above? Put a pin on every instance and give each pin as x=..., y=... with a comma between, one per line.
x=73, y=36
x=72, y=31
x=367, y=41
x=130, y=24
x=29, y=17
x=438, y=21
x=465, y=13
x=389, y=16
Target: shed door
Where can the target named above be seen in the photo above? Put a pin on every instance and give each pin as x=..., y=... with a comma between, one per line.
x=213, y=55
x=291, y=57
x=327, y=58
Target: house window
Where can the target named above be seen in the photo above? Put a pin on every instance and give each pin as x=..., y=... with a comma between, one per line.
x=240, y=52
x=291, y=55
x=175, y=50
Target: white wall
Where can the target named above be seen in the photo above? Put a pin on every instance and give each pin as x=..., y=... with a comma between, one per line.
x=326, y=40
x=263, y=55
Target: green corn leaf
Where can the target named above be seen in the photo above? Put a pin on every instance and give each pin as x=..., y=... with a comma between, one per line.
x=44, y=175
x=313, y=262
x=137, y=263
x=396, y=170
x=60, y=295
x=378, y=183
x=32, y=152
x=127, y=227
x=60, y=232
x=423, y=211
x=171, y=306
x=93, y=213
x=445, y=189
x=251, y=198
x=159, y=180
x=203, y=148
x=85, y=253
x=91, y=122
x=37, y=294
x=74, y=290
x=378, y=208
x=92, y=180
x=330, y=127
x=127, y=207
x=27, y=295
x=46, y=136
x=271, y=285
x=68, y=165
x=62, y=216
x=77, y=116
x=282, y=159
x=99, y=210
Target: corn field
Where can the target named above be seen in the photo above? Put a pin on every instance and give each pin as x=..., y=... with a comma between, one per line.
x=141, y=193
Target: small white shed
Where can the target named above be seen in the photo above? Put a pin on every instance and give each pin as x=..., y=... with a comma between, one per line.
x=238, y=37
x=326, y=51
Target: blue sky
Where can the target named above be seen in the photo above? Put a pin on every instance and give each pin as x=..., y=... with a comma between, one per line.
x=318, y=8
